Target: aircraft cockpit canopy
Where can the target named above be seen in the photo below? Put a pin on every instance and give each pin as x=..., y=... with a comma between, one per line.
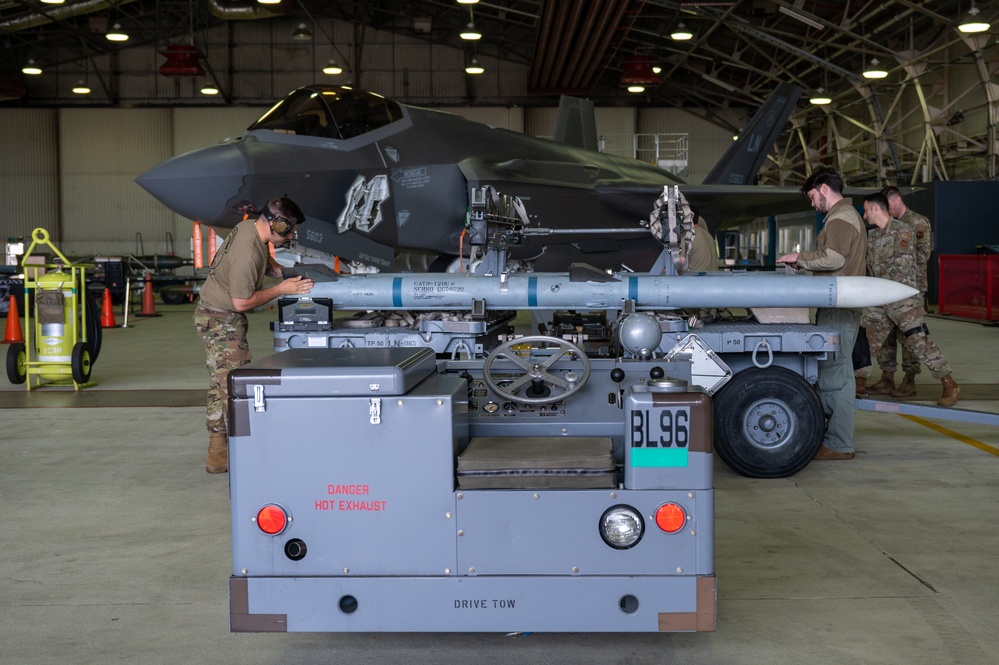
x=327, y=111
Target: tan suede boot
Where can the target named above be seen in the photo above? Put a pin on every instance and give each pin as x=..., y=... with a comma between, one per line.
x=218, y=453
x=884, y=386
x=951, y=391
x=861, y=387
x=907, y=388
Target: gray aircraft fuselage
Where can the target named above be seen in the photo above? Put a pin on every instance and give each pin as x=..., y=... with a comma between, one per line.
x=375, y=177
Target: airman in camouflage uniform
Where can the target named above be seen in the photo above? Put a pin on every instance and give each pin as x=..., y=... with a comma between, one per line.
x=890, y=256
x=923, y=247
x=235, y=285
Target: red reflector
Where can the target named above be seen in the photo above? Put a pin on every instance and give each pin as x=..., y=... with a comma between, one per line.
x=670, y=517
x=272, y=520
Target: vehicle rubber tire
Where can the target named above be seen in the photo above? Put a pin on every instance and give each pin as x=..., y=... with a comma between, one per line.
x=95, y=332
x=17, y=363
x=169, y=298
x=81, y=362
x=768, y=423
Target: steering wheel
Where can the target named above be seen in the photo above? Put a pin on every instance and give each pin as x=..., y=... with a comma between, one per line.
x=537, y=378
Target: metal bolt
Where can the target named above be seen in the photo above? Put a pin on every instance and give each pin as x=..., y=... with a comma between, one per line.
x=447, y=571
x=472, y=569
x=690, y=495
x=461, y=532
x=440, y=402
x=346, y=571
x=448, y=514
x=243, y=570
x=399, y=402
x=679, y=570
x=537, y=496
x=460, y=495
x=613, y=495
x=575, y=569
x=693, y=532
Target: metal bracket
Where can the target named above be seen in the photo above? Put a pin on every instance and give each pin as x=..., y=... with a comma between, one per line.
x=258, y=399
x=375, y=410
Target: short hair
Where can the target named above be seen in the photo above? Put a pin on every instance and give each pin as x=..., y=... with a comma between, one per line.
x=285, y=207
x=877, y=199
x=824, y=176
x=891, y=190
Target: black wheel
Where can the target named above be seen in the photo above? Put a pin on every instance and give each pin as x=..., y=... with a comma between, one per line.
x=81, y=362
x=768, y=423
x=95, y=332
x=171, y=298
x=17, y=363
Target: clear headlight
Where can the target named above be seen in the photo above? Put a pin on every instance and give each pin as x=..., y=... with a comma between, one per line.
x=621, y=527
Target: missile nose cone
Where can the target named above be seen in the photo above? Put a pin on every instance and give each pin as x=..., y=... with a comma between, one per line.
x=199, y=184
x=870, y=291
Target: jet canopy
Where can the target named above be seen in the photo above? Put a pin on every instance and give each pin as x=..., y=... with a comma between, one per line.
x=328, y=111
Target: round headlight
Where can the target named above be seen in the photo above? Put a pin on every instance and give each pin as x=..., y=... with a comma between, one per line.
x=621, y=527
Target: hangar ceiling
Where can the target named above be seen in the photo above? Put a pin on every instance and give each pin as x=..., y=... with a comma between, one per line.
x=739, y=50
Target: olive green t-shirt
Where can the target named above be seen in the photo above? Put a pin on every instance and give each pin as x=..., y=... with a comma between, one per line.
x=238, y=268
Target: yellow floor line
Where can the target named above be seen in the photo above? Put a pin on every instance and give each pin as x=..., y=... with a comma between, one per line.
x=975, y=443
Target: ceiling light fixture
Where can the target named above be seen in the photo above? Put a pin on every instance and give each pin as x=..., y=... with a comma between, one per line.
x=468, y=2
x=800, y=17
x=302, y=34
x=53, y=2
x=269, y=2
x=332, y=68
x=971, y=23
x=819, y=99
x=116, y=34
x=81, y=88
x=209, y=88
x=470, y=33
x=874, y=72
x=657, y=70
x=31, y=69
x=681, y=34
x=636, y=89
x=474, y=68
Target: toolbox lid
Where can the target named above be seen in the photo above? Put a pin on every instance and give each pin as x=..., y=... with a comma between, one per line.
x=324, y=372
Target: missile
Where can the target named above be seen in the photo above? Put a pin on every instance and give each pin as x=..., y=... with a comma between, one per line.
x=430, y=291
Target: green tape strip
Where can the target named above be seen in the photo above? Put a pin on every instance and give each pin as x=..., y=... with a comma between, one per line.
x=658, y=457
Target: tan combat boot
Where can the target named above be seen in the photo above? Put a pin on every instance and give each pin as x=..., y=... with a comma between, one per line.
x=951, y=391
x=861, y=387
x=884, y=386
x=907, y=388
x=218, y=453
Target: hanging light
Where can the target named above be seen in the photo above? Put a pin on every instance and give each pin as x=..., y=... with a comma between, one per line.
x=657, y=69
x=302, y=33
x=269, y=2
x=636, y=89
x=819, y=98
x=116, y=34
x=468, y=2
x=681, y=34
x=332, y=68
x=53, y=2
x=971, y=23
x=874, y=72
x=209, y=88
x=470, y=33
x=81, y=88
x=31, y=69
x=474, y=68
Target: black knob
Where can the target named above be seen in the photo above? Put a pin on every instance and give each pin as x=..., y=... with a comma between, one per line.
x=657, y=372
x=617, y=375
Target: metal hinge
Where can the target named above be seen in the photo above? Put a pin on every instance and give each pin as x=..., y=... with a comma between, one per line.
x=258, y=399
x=375, y=410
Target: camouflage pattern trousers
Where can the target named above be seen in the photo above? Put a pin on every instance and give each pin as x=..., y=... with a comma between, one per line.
x=905, y=318
x=224, y=334
x=888, y=358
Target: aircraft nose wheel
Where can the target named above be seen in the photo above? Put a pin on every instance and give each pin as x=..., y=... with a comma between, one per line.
x=543, y=386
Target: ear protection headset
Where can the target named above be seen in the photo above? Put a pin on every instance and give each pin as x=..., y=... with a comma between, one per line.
x=282, y=226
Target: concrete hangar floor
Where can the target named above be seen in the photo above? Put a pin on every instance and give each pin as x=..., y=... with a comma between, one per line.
x=116, y=543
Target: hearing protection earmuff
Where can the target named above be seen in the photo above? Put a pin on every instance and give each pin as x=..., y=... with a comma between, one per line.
x=282, y=226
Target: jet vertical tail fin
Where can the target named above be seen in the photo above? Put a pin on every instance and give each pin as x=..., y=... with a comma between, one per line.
x=575, y=124
x=742, y=161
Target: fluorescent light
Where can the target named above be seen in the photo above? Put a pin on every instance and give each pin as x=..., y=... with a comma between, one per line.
x=470, y=33
x=972, y=23
x=636, y=88
x=800, y=17
x=874, y=72
x=116, y=34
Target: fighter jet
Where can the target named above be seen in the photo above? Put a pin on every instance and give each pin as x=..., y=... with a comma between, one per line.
x=376, y=177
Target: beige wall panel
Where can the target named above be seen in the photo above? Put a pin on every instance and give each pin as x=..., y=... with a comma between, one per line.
x=539, y=121
x=707, y=140
x=29, y=172
x=103, y=151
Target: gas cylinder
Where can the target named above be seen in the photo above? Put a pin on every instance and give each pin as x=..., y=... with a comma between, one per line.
x=53, y=302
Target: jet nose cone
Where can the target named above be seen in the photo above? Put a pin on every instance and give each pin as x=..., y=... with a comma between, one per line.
x=199, y=184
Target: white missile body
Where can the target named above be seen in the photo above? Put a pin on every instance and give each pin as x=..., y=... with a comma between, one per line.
x=445, y=291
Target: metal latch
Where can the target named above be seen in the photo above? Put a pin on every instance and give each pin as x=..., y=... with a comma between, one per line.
x=258, y=398
x=375, y=410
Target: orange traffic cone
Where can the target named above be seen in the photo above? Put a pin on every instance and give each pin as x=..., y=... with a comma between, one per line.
x=148, y=305
x=13, y=333
x=107, y=311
